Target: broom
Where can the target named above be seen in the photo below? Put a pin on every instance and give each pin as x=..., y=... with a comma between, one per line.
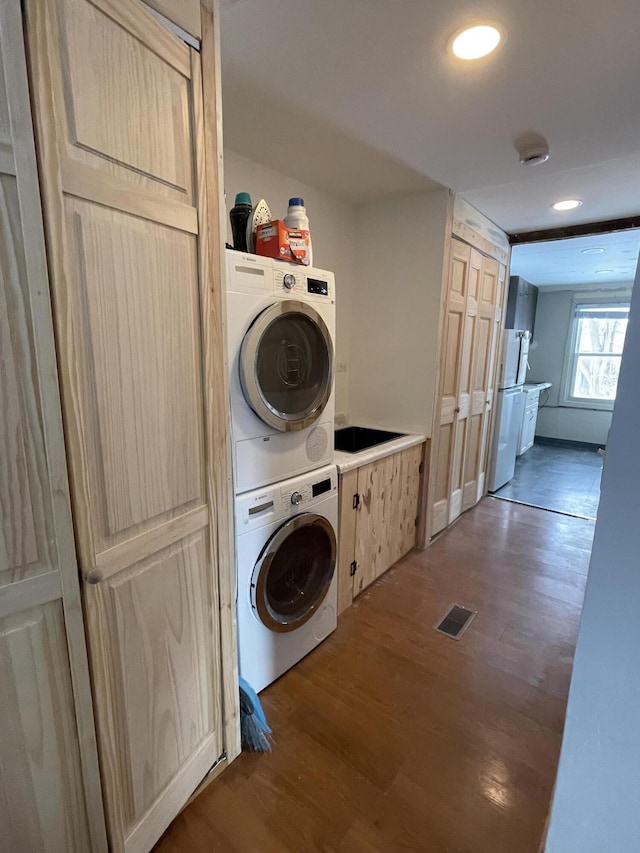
x=254, y=729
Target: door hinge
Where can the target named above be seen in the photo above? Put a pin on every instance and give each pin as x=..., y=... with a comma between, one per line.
x=415, y=523
x=353, y=569
x=421, y=467
x=356, y=501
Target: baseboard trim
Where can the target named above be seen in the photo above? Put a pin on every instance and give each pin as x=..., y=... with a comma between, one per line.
x=566, y=442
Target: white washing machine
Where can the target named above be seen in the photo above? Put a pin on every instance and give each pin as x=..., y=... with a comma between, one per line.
x=280, y=338
x=286, y=552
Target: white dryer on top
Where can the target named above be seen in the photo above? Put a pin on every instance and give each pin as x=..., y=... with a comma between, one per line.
x=280, y=338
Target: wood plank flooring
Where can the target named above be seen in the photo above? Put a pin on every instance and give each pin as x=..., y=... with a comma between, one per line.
x=392, y=737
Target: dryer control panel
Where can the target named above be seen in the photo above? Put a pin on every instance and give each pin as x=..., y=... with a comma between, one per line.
x=248, y=273
x=282, y=500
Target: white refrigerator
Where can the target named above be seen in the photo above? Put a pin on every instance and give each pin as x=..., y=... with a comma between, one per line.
x=514, y=353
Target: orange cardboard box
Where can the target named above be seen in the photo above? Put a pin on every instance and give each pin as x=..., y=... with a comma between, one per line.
x=275, y=240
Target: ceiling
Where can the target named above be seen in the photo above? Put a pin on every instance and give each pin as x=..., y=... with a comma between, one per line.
x=360, y=98
x=575, y=261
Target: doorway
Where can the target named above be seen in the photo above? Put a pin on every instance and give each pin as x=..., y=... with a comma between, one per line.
x=582, y=289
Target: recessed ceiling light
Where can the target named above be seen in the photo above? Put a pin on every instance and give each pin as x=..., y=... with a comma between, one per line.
x=567, y=204
x=604, y=272
x=593, y=251
x=475, y=42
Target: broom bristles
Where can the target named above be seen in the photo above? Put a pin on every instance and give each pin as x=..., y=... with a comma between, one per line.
x=254, y=738
x=254, y=729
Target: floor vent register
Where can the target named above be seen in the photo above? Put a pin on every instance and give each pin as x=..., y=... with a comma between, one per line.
x=455, y=621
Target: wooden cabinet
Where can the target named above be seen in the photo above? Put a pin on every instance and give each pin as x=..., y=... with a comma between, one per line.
x=378, y=516
x=50, y=798
x=470, y=335
x=522, y=302
x=119, y=109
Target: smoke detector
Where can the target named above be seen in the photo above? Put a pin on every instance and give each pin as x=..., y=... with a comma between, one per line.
x=532, y=148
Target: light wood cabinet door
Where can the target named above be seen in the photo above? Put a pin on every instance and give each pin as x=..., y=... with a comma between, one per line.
x=347, y=537
x=455, y=351
x=496, y=279
x=50, y=797
x=471, y=330
x=42, y=800
x=465, y=423
x=491, y=284
x=385, y=527
x=119, y=110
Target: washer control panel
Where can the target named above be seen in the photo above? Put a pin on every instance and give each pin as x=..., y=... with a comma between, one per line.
x=282, y=500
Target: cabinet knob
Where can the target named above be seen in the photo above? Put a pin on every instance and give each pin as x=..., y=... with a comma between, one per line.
x=457, y=410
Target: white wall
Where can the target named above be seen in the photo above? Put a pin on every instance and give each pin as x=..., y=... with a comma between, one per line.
x=546, y=358
x=332, y=224
x=596, y=806
x=399, y=256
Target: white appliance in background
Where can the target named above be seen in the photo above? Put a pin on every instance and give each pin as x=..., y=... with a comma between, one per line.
x=514, y=353
x=287, y=593
x=280, y=343
x=509, y=411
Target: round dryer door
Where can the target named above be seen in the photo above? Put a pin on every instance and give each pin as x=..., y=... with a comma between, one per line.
x=293, y=574
x=286, y=365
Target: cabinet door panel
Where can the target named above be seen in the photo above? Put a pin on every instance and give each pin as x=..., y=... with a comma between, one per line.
x=119, y=107
x=134, y=288
x=50, y=798
x=489, y=284
x=155, y=628
x=372, y=541
x=405, y=517
x=491, y=376
x=484, y=359
x=466, y=385
x=442, y=477
x=386, y=518
x=42, y=802
x=26, y=523
x=141, y=74
x=19, y=548
x=473, y=455
x=457, y=467
x=458, y=330
x=346, y=538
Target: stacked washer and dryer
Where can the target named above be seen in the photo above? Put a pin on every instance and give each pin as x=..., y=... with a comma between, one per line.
x=280, y=337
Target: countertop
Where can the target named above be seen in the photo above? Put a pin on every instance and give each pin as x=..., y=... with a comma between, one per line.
x=349, y=461
x=535, y=386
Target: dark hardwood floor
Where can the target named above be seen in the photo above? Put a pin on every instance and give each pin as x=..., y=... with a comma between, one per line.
x=392, y=737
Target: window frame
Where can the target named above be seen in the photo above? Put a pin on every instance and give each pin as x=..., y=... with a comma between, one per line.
x=570, y=357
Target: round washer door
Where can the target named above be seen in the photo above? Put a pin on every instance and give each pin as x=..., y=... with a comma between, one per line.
x=286, y=365
x=294, y=572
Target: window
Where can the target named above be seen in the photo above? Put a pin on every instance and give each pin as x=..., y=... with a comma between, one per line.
x=596, y=344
